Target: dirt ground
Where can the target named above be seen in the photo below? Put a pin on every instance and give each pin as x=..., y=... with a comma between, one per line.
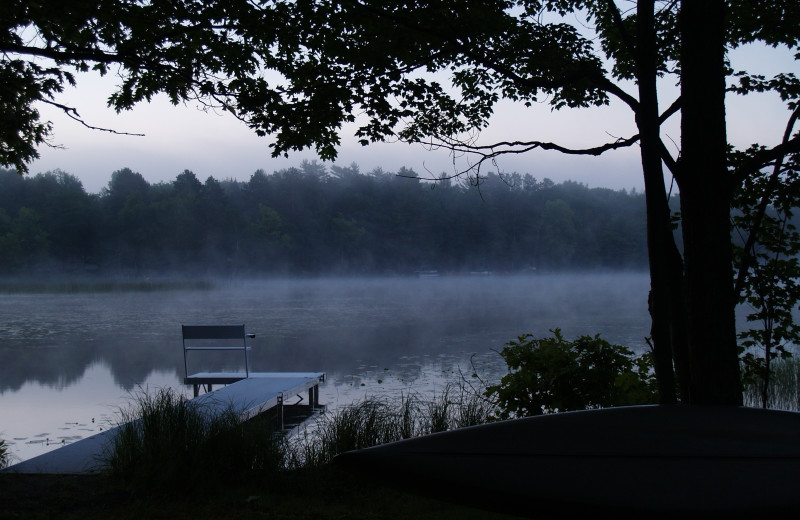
x=331, y=496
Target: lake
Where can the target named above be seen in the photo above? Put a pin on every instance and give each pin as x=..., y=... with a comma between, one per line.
x=69, y=361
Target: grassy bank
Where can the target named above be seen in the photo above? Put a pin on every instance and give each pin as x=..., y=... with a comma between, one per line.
x=171, y=461
x=166, y=442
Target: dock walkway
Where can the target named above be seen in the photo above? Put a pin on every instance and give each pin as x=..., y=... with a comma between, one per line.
x=260, y=392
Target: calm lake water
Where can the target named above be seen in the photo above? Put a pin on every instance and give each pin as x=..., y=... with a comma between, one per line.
x=69, y=361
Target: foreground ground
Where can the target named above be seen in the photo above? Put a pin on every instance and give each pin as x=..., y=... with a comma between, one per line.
x=323, y=495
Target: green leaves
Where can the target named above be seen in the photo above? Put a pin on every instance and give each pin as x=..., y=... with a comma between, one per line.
x=553, y=374
x=767, y=259
x=786, y=85
x=298, y=71
x=21, y=84
x=429, y=70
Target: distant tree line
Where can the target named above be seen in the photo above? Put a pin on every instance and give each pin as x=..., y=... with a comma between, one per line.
x=313, y=220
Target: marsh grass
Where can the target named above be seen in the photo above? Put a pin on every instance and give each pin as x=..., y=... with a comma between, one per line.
x=361, y=425
x=377, y=421
x=5, y=456
x=164, y=441
x=784, y=388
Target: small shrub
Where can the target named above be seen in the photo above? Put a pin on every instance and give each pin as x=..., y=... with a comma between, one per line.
x=552, y=374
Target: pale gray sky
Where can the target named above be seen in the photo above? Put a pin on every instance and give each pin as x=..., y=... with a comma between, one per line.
x=210, y=144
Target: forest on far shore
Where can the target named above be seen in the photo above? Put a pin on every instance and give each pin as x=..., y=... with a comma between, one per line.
x=314, y=219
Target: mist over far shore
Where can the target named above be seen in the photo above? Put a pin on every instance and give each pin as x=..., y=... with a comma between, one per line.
x=310, y=221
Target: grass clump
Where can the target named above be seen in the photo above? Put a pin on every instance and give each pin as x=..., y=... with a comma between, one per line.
x=377, y=421
x=361, y=425
x=164, y=441
x=5, y=456
x=784, y=386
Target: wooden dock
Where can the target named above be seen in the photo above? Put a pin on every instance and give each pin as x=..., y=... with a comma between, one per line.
x=249, y=396
x=260, y=392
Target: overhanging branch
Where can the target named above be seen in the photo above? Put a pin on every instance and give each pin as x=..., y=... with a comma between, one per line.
x=72, y=113
x=766, y=157
x=490, y=152
x=94, y=55
x=772, y=184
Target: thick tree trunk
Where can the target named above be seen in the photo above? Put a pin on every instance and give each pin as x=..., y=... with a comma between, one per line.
x=705, y=207
x=659, y=233
x=678, y=317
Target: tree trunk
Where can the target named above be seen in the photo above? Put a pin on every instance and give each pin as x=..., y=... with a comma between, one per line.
x=659, y=233
x=705, y=207
x=678, y=317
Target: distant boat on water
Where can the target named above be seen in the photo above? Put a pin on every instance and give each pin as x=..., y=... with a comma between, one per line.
x=640, y=461
x=430, y=273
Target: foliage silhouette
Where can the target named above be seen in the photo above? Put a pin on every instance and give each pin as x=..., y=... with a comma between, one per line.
x=549, y=375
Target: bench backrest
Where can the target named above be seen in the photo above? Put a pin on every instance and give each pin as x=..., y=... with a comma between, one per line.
x=196, y=337
x=213, y=332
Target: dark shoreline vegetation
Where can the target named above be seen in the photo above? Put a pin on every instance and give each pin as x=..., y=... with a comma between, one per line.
x=69, y=286
x=312, y=220
x=176, y=464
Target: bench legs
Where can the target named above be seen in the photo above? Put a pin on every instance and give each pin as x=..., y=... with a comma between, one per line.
x=196, y=388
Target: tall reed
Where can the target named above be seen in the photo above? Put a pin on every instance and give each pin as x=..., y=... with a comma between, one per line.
x=5, y=456
x=784, y=387
x=163, y=441
x=378, y=421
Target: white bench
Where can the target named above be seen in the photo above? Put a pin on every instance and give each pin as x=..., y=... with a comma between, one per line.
x=214, y=337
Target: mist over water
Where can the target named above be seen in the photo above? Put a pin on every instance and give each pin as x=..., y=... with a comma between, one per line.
x=399, y=331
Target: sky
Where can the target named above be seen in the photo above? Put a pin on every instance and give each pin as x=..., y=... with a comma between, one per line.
x=214, y=144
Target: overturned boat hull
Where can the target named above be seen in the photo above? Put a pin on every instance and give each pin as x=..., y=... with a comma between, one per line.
x=629, y=460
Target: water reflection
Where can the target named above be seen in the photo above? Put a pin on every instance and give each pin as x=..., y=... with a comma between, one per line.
x=307, y=324
x=360, y=331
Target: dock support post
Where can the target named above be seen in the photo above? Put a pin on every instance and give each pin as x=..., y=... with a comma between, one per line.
x=280, y=411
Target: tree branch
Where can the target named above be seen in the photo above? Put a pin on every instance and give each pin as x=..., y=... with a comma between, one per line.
x=772, y=184
x=72, y=113
x=669, y=161
x=94, y=55
x=491, y=152
x=671, y=110
x=761, y=159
